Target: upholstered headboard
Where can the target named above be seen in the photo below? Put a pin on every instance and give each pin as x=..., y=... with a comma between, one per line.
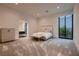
x=46, y=28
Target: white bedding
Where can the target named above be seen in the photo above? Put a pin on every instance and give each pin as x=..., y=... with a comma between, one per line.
x=42, y=35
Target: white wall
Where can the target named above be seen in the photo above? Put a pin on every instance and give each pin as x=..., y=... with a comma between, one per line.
x=32, y=25
x=9, y=19
x=53, y=20
x=76, y=25
x=22, y=24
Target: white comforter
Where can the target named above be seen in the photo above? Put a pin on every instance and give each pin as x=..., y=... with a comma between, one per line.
x=42, y=35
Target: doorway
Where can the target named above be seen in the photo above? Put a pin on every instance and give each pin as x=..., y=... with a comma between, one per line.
x=66, y=27
x=23, y=33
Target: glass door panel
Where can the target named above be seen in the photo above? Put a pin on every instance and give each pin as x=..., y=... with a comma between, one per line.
x=62, y=26
x=69, y=26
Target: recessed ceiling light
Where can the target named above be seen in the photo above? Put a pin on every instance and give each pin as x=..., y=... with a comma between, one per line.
x=58, y=7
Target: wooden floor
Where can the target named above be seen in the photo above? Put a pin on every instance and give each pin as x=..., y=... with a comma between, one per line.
x=29, y=47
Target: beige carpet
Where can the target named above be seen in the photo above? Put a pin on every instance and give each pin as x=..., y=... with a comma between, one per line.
x=29, y=47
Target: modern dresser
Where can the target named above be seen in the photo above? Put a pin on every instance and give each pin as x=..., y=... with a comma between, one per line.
x=7, y=34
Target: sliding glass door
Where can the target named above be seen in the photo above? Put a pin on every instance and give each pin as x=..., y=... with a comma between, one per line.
x=62, y=27
x=66, y=27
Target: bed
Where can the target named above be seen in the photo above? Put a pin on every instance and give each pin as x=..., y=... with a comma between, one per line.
x=45, y=33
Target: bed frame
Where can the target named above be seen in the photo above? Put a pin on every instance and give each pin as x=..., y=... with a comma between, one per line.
x=44, y=28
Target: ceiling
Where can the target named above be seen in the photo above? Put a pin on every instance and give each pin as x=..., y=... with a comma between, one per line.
x=40, y=9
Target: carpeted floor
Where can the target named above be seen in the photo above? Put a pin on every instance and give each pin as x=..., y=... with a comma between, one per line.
x=29, y=47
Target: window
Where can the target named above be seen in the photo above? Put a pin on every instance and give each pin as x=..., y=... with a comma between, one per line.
x=66, y=27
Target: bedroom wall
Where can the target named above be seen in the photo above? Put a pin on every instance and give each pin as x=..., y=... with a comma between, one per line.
x=31, y=23
x=21, y=24
x=76, y=25
x=9, y=19
x=53, y=20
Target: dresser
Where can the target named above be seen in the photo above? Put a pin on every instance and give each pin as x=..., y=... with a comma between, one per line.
x=7, y=34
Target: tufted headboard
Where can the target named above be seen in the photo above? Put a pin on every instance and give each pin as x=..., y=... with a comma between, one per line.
x=46, y=28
